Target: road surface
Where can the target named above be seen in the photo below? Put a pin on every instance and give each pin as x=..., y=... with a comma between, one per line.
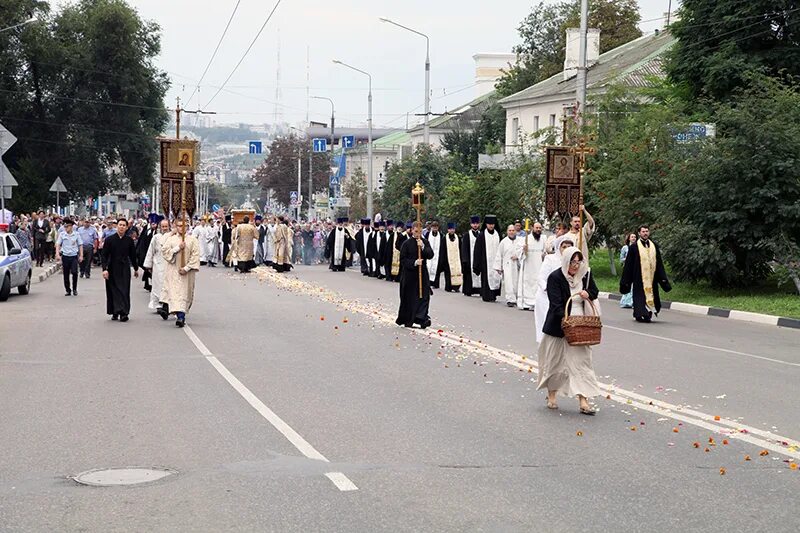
x=293, y=403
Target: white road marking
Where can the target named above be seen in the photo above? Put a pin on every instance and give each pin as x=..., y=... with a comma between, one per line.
x=730, y=428
x=687, y=343
x=341, y=481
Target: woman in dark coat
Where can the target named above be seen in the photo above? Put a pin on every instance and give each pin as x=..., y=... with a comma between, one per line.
x=413, y=309
x=565, y=369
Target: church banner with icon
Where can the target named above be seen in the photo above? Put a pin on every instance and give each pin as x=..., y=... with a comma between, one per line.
x=562, y=183
x=179, y=159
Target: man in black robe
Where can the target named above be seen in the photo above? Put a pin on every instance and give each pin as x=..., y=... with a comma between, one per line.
x=227, y=234
x=119, y=255
x=376, y=245
x=388, y=250
x=362, y=241
x=453, y=275
x=339, y=263
x=486, y=246
x=413, y=309
x=143, y=244
x=644, y=281
x=468, y=240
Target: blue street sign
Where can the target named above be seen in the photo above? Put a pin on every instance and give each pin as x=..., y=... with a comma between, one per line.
x=255, y=147
x=334, y=182
x=293, y=198
x=320, y=144
x=348, y=141
x=215, y=208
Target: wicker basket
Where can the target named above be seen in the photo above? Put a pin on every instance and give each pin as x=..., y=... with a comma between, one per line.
x=582, y=330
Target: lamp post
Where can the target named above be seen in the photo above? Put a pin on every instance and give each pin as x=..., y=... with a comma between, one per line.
x=333, y=136
x=426, y=131
x=299, y=173
x=369, y=135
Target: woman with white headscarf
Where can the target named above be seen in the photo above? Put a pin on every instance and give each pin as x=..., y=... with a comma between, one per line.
x=565, y=369
x=551, y=263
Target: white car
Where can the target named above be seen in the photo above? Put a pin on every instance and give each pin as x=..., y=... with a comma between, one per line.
x=15, y=266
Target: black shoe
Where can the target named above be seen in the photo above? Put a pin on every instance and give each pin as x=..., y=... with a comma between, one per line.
x=425, y=324
x=81, y=274
x=123, y=318
x=114, y=317
x=511, y=304
x=74, y=292
x=68, y=293
x=180, y=323
x=162, y=313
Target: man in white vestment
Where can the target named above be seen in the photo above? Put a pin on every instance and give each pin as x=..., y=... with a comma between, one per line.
x=269, y=242
x=199, y=233
x=529, y=264
x=582, y=237
x=182, y=256
x=155, y=263
x=506, y=263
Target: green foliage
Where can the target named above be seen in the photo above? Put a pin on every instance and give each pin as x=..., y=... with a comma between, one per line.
x=80, y=90
x=279, y=170
x=543, y=33
x=426, y=166
x=355, y=188
x=721, y=43
x=742, y=190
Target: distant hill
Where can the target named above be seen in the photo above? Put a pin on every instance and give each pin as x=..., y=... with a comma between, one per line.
x=222, y=134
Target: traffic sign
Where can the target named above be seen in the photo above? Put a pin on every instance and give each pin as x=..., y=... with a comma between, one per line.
x=320, y=144
x=255, y=147
x=335, y=181
x=58, y=186
x=340, y=202
x=348, y=141
x=7, y=180
x=293, y=199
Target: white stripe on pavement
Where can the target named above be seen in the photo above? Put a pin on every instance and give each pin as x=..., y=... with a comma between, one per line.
x=341, y=481
x=724, y=350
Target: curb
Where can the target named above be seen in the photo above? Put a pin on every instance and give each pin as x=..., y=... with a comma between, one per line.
x=52, y=269
x=744, y=316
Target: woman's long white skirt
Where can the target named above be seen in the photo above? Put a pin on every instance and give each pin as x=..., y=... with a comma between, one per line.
x=566, y=369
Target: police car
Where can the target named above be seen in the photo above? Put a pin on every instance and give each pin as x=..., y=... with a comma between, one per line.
x=15, y=265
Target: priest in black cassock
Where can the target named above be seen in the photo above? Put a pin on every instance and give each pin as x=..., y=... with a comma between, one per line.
x=227, y=234
x=338, y=245
x=387, y=254
x=413, y=309
x=376, y=246
x=450, y=260
x=472, y=282
x=486, y=246
x=362, y=241
x=643, y=273
x=143, y=244
x=119, y=255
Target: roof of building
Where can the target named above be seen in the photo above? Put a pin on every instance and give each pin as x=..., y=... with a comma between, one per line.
x=442, y=121
x=631, y=64
x=397, y=138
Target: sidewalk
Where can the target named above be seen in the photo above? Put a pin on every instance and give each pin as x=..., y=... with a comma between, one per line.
x=42, y=273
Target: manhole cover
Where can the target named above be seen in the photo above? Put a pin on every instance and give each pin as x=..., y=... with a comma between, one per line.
x=109, y=477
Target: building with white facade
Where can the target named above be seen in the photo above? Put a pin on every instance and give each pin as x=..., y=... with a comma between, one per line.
x=539, y=108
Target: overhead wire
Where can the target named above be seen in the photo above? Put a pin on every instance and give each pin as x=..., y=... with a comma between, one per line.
x=264, y=25
x=219, y=43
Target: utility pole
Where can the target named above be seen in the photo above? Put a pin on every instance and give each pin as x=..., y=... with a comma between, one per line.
x=299, y=175
x=178, y=118
x=581, y=78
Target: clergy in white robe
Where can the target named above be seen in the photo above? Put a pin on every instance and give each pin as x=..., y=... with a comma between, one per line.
x=437, y=242
x=199, y=233
x=156, y=264
x=182, y=256
x=506, y=263
x=551, y=262
x=582, y=235
x=269, y=242
x=213, y=235
x=529, y=265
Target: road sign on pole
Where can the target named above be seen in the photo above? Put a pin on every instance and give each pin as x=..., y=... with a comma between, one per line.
x=58, y=187
x=348, y=141
x=255, y=147
x=320, y=144
x=6, y=179
x=293, y=200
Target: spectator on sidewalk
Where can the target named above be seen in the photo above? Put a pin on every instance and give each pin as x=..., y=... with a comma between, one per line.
x=23, y=234
x=69, y=248
x=89, y=239
x=41, y=229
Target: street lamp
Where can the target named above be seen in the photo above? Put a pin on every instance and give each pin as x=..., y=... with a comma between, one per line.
x=32, y=19
x=369, y=135
x=426, y=131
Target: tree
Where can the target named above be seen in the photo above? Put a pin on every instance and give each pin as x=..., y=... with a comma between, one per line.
x=355, y=188
x=80, y=90
x=722, y=42
x=466, y=140
x=279, y=170
x=737, y=200
x=543, y=32
x=427, y=166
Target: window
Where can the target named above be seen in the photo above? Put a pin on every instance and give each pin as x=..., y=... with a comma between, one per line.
x=515, y=130
x=552, y=121
x=536, y=124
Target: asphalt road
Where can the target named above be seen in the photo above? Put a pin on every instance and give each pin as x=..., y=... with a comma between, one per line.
x=293, y=403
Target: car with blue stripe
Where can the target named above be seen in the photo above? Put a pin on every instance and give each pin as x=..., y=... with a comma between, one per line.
x=16, y=267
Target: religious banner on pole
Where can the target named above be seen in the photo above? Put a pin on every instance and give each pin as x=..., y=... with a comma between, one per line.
x=179, y=159
x=562, y=183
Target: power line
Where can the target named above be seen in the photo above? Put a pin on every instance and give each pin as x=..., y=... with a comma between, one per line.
x=269, y=17
x=219, y=43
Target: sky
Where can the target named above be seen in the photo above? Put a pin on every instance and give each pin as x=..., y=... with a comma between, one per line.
x=313, y=33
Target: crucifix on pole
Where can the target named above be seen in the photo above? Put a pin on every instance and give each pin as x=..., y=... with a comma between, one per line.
x=581, y=150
